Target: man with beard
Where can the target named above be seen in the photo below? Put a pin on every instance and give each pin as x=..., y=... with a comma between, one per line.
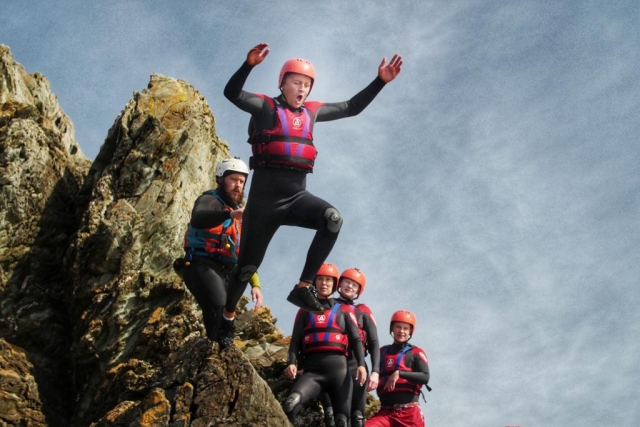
x=212, y=243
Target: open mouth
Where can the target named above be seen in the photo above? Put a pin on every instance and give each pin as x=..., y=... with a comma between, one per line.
x=299, y=98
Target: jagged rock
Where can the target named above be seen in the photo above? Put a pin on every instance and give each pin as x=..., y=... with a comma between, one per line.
x=41, y=171
x=19, y=400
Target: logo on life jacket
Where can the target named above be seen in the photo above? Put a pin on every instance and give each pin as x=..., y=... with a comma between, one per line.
x=322, y=318
x=297, y=123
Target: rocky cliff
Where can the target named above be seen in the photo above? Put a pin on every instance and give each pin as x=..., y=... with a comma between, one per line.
x=95, y=327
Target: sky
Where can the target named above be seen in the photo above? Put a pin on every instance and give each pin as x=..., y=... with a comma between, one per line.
x=492, y=188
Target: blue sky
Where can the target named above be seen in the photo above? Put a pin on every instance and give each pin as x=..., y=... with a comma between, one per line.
x=492, y=188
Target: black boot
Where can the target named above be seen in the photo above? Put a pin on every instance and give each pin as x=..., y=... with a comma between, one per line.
x=226, y=333
x=304, y=297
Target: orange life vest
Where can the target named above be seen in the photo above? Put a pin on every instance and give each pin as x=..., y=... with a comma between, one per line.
x=221, y=242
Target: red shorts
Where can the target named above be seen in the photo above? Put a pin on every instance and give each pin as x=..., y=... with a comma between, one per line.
x=397, y=416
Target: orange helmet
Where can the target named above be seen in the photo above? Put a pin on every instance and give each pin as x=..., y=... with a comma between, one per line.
x=355, y=275
x=403, y=316
x=328, y=269
x=300, y=66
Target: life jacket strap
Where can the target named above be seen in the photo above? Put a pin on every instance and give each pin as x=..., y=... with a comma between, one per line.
x=267, y=138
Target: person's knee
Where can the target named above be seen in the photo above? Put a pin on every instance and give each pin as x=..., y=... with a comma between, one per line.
x=334, y=220
x=342, y=420
x=357, y=419
x=289, y=406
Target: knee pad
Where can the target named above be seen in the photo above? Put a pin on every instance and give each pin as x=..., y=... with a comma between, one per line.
x=334, y=220
x=246, y=272
x=292, y=401
x=329, y=421
x=342, y=420
x=357, y=419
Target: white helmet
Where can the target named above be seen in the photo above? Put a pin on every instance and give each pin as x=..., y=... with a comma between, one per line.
x=231, y=165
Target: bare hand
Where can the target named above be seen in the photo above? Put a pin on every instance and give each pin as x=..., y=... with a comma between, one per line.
x=361, y=375
x=391, y=382
x=257, y=54
x=390, y=71
x=236, y=213
x=256, y=297
x=373, y=381
x=290, y=372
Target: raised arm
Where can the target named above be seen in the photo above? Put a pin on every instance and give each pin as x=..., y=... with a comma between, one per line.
x=233, y=91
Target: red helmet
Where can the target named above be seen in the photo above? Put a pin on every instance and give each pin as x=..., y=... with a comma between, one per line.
x=300, y=66
x=357, y=276
x=328, y=269
x=403, y=316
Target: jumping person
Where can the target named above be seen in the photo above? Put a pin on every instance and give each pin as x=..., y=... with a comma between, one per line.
x=321, y=343
x=404, y=369
x=351, y=285
x=281, y=137
x=212, y=243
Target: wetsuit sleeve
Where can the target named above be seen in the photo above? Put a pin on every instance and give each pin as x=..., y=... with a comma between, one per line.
x=355, y=344
x=208, y=212
x=254, y=281
x=419, y=367
x=338, y=110
x=250, y=102
x=373, y=345
x=295, y=346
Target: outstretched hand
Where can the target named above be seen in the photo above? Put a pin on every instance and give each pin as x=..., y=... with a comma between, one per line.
x=257, y=54
x=391, y=70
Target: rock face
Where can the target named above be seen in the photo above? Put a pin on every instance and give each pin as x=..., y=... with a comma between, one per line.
x=96, y=329
x=41, y=170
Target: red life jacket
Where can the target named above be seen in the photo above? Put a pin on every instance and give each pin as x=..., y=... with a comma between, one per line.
x=389, y=363
x=289, y=144
x=221, y=242
x=323, y=333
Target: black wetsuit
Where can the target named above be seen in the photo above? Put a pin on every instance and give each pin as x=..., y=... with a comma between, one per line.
x=278, y=196
x=323, y=371
x=206, y=277
x=371, y=346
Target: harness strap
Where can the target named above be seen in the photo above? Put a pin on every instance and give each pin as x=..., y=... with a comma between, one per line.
x=312, y=319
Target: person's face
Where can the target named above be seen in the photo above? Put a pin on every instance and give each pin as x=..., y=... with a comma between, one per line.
x=348, y=288
x=324, y=286
x=234, y=187
x=401, y=332
x=295, y=89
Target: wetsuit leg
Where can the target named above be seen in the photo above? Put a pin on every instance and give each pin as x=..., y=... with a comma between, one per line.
x=312, y=212
x=339, y=387
x=359, y=396
x=206, y=281
x=259, y=224
x=325, y=400
x=308, y=387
